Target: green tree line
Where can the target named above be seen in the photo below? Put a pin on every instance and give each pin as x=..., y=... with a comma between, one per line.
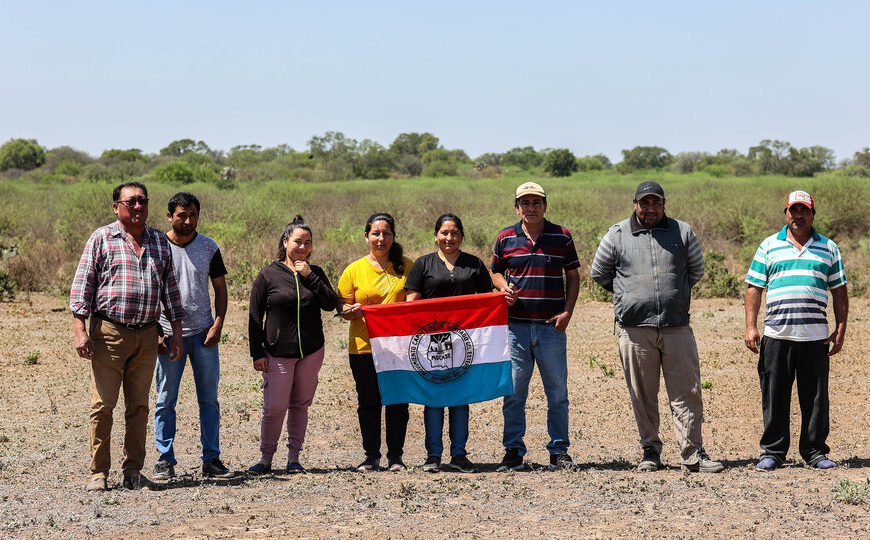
x=334, y=156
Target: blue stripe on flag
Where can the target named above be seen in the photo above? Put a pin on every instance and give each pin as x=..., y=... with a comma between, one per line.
x=481, y=382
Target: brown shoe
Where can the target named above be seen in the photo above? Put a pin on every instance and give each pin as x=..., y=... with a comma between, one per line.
x=137, y=481
x=97, y=483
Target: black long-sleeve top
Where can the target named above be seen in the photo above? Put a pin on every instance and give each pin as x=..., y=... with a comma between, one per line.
x=291, y=305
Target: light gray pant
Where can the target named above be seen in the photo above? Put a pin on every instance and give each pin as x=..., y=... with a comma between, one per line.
x=647, y=351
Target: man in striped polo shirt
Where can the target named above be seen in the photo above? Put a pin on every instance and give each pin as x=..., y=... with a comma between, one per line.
x=797, y=266
x=529, y=259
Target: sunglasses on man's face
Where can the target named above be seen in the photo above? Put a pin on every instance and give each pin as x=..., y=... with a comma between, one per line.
x=131, y=203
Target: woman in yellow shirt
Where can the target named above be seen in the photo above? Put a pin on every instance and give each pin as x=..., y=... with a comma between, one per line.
x=377, y=278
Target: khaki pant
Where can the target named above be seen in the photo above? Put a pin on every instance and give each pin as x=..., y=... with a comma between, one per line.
x=647, y=351
x=122, y=358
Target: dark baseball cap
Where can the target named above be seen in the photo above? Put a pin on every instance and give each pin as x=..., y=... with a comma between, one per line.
x=649, y=188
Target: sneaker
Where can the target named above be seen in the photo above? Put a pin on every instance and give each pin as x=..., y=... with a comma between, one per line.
x=396, y=466
x=824, y=463
x=651, y=460
x=293, y=467
x=704, y=464
x=512, y=461
x=137, y=481
x=260, y=468
x=461, y=463
x=369, y=465
x=432, y=464
x=97, y=483
x=561, y=461
x=215, y=469
x=163, y=471
x=767, y=464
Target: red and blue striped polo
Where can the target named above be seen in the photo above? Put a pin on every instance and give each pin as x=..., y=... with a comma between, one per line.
x=535, y=269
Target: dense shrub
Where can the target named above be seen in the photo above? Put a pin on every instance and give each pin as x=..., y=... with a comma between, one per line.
x=560, y=162
x=646, y=157
x=439, y=162
x=174, y=171
x=24, y=154
x=131, y=154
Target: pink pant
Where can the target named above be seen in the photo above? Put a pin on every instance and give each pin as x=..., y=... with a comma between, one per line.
x=288, y=383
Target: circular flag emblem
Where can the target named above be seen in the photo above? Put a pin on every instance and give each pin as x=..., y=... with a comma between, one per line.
x=441, y=352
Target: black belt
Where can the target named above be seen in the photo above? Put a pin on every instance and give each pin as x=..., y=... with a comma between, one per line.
x=140, y=326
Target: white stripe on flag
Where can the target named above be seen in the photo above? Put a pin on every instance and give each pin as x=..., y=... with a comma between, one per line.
x=490, y=346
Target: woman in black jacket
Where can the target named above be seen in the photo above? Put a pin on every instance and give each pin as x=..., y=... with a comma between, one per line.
x=288, y=348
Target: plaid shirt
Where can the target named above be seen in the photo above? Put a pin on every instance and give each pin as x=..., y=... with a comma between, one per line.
x=112, y=280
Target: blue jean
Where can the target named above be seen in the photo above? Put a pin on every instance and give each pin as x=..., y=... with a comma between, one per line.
x=542, y=344
x=206, y=373
x=433, y=421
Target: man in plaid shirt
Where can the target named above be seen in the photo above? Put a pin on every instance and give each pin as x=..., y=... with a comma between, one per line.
x=124, y=275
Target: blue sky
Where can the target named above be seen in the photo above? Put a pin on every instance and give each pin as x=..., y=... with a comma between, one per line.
x=482, y=76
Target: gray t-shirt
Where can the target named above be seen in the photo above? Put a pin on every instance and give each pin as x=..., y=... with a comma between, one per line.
x=195, y=263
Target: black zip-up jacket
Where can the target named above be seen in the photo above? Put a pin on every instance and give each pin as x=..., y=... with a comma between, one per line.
x=291, y=306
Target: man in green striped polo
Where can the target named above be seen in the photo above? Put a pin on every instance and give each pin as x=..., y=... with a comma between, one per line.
x=797, y=266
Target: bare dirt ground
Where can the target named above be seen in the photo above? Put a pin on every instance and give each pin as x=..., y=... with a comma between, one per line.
x=44, y=453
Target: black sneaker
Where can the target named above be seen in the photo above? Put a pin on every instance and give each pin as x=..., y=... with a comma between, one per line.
x=137, y=481
x=294, y=467
x=432, y=464
x=561, y=461
x=215, y=469
x=512, y=461
x=461, y=463
x=370, y=464
x=651, y=460
x=163, y=471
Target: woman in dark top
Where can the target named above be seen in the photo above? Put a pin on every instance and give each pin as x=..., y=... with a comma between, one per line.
x=447, y=272
x=288, y=349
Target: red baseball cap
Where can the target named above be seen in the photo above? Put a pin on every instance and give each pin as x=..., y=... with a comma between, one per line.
x=799, y=197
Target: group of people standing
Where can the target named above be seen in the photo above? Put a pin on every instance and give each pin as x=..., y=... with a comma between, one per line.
x=650, y=262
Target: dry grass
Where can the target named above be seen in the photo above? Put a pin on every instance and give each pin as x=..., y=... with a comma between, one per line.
x=44, y=456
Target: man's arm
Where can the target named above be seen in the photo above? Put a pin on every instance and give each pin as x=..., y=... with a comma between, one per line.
x=603, y=268
x=501, y=284
x=572, y=289
x=83, y=343
x=752, y=304
x=841, y=314
x=220, y=311
x=694, y=259
x=176, y=346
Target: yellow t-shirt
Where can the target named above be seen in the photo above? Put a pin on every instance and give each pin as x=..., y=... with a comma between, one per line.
x=362, y=282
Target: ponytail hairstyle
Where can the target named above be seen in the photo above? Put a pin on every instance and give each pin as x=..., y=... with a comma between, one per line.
x=396, y=252
x=297, y=223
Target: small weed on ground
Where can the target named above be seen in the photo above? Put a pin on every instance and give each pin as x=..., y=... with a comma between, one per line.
x=32, y=358
x=225, y=338
x=849, y=492
x=706, y=385
x=608, y=371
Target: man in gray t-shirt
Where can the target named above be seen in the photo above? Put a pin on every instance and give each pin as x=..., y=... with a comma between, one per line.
x=196, y=260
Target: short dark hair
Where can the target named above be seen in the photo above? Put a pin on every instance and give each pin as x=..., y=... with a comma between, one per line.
x=183, y=199
x=116, y=193
x=449, y=217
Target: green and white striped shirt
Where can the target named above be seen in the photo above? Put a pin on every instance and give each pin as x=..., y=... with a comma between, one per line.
x=797, y=281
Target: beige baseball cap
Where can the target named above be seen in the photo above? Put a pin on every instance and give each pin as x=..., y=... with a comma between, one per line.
x=530, y=188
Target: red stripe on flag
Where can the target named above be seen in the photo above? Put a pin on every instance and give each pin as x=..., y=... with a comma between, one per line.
x=407, y=318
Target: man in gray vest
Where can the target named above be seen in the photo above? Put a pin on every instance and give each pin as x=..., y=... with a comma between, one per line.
x=650, y=263
x=197, y=259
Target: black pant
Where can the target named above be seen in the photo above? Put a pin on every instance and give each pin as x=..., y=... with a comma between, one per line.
x=369, y=411
x=779, y=363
